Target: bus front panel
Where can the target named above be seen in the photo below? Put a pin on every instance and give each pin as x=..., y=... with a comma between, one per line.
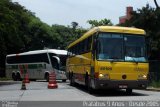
x=121, y=75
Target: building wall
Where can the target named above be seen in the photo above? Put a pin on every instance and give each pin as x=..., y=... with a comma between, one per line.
x=122, y=20
x=128, y=15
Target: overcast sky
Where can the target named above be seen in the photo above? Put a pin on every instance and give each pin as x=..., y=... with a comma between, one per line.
x=64, y=12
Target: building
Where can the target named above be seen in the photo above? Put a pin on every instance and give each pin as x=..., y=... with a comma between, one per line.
x=128, y=15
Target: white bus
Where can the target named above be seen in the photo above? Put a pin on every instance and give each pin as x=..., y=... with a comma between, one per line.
x=40, y=63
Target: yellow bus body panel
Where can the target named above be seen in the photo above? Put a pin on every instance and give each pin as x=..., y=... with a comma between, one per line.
x=80, y=63
x=116, y=70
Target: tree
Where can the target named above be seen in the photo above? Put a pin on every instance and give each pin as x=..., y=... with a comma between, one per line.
x=102, y=22
x=65, y=35
x=74, y=25
x=20, y=31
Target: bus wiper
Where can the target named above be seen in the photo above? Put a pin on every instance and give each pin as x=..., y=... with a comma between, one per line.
x=114, y=60
x=133, y=60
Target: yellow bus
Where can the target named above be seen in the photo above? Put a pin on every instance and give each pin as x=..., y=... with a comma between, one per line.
x=109, y=57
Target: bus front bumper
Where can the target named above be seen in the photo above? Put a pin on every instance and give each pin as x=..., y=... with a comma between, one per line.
x=120, y=84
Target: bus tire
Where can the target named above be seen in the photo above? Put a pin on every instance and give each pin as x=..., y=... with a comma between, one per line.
x=72, y=83
x=90, y=90
x=18, y=77
x=47, y=77
x=32, y=79
x=88, y=84
x=128, y=91
x=64, y=80
x=69, y=75
x=86, y=81
x=14, y=77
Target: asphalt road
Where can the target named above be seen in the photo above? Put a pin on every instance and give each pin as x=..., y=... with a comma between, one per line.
x=37, y=94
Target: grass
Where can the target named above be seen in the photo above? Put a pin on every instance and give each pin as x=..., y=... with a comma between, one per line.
x=155, y=84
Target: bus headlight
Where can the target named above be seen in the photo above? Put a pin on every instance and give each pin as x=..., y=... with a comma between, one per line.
x=142, y=76
x=103, y=76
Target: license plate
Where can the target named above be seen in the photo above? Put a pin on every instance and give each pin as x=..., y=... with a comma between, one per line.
x=123, y=86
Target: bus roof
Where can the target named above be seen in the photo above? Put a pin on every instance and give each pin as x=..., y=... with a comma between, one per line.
x=114, y=29
x=55, y=51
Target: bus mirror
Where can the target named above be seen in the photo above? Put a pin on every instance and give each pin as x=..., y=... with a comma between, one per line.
x=56, y=58
x=56, y=62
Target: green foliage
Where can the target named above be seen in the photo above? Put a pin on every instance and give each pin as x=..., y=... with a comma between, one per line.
x=74, y=25
x=155, y=84
x=10, y=25
x=21, y=31
x=102, y=22
x=65, y=35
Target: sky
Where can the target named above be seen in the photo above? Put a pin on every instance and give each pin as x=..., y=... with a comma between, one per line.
x=63, y=12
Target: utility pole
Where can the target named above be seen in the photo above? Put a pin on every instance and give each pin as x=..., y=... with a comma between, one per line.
x=157, y=6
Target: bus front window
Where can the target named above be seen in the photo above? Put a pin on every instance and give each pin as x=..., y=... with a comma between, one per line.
x=110, y=46
x=135, y=48
x=63, y=62
x=121, y=47
x=54, y=62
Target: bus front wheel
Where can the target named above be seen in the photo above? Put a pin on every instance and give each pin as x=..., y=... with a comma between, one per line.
x=47, y=77
x=14, y=77
x=64, y=80
x=88, y=84
x=18, y=77
x=128, y=91
x=72, y=79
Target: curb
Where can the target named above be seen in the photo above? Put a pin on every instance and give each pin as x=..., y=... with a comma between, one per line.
x=153, y=89
x=9, y=82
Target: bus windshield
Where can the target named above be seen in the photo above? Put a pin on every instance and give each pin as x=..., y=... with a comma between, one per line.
x=58, y=61
x=63, y=62
x=121, y=47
